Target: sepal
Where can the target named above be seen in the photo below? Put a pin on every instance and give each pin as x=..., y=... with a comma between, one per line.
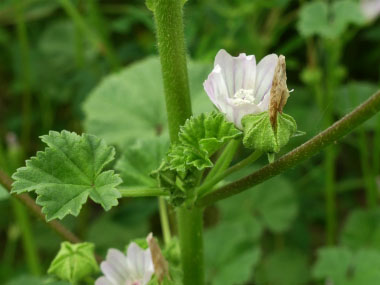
x=74, y=262
x=259, y=134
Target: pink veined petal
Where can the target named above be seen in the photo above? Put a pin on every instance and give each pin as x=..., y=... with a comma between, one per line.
x=238, y=72
x=264, y=104
x=115, y=266
x=370, y=8
x=239, y=111
x=216, y=88
x=137, y=259
x=103, y=281
x=245, y=72
x=264, y=76
x=148, y=266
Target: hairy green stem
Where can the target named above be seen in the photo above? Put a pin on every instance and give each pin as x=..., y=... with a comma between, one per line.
x=339, y=129
x=142, y=192
x=190, y=227
x=164, y=218
x=207, y=186
x=171, y=46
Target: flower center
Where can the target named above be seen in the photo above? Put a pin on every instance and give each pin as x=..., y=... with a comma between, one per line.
x=243, y=96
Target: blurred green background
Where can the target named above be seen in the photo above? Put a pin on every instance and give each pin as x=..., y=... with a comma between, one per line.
x=318, y=222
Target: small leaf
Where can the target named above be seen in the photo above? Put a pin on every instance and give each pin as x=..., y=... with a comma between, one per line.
x=362, y=230
x=259, y=134
x=342, y=267
x=200, y=138
x=277, y=269
x=329, y=20
x=313, y=19
x=74, y=262
x=346, y=12
x=67, y=173
x=276, y=204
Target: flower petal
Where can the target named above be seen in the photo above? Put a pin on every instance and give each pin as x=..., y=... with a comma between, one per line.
x=216, y=88
x=104, y=281
x=237, y=112
x=370, y=8
x=264, y=76
x=238, y=72
x=139, y=263
x=114, y=267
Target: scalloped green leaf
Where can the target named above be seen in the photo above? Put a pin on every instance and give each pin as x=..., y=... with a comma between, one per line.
x=74, y=262
x=342, y=267
x=130, y=103
x=140, y=159
x=200, y=138
x=68, y=172
x=362, y=229
x=329, y=20
x=275, y=268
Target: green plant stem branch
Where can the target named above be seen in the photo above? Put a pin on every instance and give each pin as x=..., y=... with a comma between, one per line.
x=25, y=199
x=330, y=194
x=171, y=46
x=207, y=186
x=224, y=160
x=369, y=179
x=339, y=129
x=142, y=192
x=28, y=241
x=164, y=218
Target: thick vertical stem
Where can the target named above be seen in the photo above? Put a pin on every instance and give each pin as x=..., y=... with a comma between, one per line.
x=171, y=45
x=190, y=228
x=331, y=81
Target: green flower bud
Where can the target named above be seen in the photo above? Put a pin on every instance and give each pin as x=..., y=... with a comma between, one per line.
x=259, y=134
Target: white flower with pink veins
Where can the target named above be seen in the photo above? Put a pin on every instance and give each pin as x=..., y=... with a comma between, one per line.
x=238, y=87
x=370, y=8
x=136, y=268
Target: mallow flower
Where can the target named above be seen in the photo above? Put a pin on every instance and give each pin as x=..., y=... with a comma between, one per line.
x=135, y=268
x=238, y=86
x=370, y=8
x=253, y=96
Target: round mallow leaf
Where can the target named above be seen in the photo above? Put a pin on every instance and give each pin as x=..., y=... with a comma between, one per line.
x=131, y=104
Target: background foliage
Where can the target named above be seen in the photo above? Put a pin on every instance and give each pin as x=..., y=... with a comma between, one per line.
x=91, y=65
